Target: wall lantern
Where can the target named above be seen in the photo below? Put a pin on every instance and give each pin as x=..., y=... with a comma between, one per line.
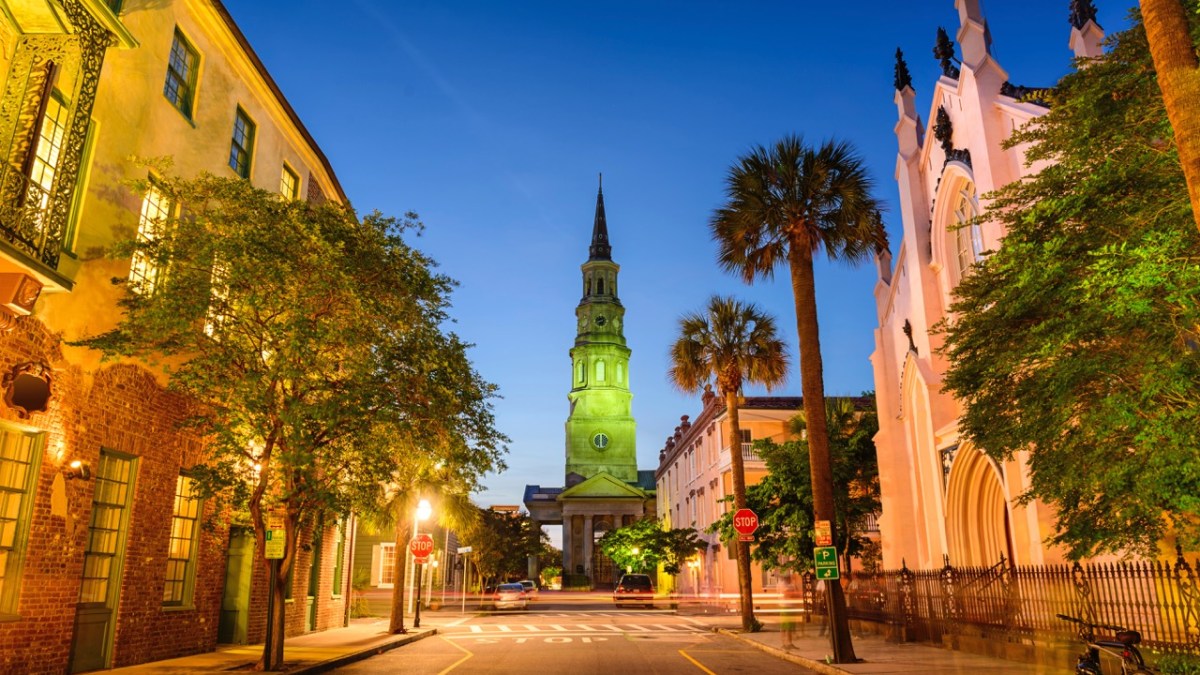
x=78, y=469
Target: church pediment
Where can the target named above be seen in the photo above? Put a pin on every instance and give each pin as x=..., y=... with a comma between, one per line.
x=602, y=486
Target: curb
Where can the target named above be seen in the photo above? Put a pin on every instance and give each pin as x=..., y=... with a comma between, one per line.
x=347, y=659
x=818, y=666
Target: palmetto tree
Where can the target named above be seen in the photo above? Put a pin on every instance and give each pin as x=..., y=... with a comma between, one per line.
x=732, y=343
x=1178, y=68
x=784, y=205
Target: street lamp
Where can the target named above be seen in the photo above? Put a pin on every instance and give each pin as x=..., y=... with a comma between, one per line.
x=424, y=510
x=635, y=551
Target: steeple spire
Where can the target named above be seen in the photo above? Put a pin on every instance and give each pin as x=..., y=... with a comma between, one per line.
x=600, y=249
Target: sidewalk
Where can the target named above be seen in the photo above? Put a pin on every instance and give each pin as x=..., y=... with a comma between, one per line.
x=311, y=653
x=878, y=656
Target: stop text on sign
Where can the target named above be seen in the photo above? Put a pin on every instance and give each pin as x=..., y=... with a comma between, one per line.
x=421, y=546
x=745, y=522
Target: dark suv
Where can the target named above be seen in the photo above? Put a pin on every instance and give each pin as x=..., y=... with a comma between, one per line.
x=634, y=589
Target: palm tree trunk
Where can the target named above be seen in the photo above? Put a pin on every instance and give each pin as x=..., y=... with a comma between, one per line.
x=403, y=533
x=1179, y=79
x=737, y=466
x=812, y=384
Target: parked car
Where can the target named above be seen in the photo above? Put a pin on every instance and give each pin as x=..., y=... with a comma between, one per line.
x=531, y=589
x=634, y=589
x=505, y=596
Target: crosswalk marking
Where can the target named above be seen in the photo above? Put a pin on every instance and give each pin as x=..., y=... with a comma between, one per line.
x=476, y=629
x=558, y=627
x=505, y=629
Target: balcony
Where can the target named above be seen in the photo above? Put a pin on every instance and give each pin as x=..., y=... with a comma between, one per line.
x=28, y=220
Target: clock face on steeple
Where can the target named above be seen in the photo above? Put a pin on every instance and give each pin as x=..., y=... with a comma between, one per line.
x=600, y=320
x=600, y=440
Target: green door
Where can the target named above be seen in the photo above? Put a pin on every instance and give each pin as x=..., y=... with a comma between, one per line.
x=314, y=581
x=235, y=601
x=102, y=561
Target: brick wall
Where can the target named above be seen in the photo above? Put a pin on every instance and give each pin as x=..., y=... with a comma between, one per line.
x=118, y=407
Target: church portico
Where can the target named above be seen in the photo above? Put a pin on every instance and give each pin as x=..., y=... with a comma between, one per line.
x=604, y=488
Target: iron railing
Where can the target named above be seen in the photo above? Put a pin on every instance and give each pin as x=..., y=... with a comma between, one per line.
x=27, y=216
x=1159, y=599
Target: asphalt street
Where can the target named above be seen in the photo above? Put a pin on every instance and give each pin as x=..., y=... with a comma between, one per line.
x=579, y=639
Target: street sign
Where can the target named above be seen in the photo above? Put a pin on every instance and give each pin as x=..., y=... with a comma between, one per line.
x=421, y=546
x=745, y=522
x=826, y=562
x=464, y=549
x=276, y=537
x=823, y=533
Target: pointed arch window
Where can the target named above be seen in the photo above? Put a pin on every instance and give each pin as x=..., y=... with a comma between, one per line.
x=968, y=238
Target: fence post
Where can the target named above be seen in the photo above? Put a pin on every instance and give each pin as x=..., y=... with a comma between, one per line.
x=1190, y=598
x=907, y=602
x=949, y=578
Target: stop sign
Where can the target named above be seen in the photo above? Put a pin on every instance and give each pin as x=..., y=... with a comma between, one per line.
x=745, y=522
x=421, y=546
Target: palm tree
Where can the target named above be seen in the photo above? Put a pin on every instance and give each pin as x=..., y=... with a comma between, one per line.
x=1178, y=70
x=784, y=204
x=732, y=343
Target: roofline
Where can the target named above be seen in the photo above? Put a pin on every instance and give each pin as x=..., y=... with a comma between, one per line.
x=287, y=107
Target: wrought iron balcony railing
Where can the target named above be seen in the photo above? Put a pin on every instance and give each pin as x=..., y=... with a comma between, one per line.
x=28, y=219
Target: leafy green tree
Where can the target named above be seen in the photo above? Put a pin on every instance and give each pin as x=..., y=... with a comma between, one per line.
x=503, y=543
x=785, y=204
x=732, y=343
x=1075, y=344
x=309, y=339
x=783, y=498
x=644, y=545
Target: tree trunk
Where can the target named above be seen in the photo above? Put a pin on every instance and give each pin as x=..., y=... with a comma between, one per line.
x=812, y=384
x=745, y=591
x=1175, y=62
x=403, y=534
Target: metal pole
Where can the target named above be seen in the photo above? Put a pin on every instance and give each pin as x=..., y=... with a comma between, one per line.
x=462, y=586
x=445, y=559
x=411, y=568
x=417, y=616
x=269, y=653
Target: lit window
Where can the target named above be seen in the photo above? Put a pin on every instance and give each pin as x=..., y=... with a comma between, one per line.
x=156, y=209
x=289, y=183
x=387, y=564
x=968, y=238
x=180, y=86
x=106, y=531
x=599, y=371
x=181, y=551
x=49, y=148
x=217, y=315
x=19, y=461
x=242, y=145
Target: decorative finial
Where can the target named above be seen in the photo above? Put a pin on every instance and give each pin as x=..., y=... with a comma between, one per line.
x=1082, y=11
x=602, y=181
x=943, y=131
x=943, y=51
x=902, y=77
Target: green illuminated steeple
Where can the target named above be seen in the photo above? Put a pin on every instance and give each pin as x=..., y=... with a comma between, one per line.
x=601, y=431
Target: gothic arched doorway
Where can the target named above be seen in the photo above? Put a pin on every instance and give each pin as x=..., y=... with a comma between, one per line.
x=977, y=518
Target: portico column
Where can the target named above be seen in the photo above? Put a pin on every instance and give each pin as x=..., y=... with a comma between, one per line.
x=587, y=545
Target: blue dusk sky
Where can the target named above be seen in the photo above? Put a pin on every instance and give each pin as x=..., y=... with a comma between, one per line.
x=492, y=120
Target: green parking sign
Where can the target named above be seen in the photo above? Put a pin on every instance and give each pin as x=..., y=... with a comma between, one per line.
x=825, y=559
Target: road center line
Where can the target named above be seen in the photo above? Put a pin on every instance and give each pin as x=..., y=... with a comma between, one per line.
x=459, y=662
x=695, y=662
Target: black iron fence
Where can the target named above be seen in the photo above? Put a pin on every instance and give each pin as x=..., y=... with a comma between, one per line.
x=1159, y=599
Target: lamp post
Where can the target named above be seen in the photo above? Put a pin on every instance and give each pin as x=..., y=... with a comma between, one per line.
x=636, y=552
x=423, y=512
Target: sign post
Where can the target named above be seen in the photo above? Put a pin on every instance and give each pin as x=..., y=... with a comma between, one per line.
x=826, y=563
x=274, y=547
x=745, y=522
x=421, y=546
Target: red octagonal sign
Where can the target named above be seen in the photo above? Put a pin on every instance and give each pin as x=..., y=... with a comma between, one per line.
x=421, y=546
x=745, y=522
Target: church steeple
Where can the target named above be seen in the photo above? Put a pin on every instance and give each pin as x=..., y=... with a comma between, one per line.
x=601, y=432
x=600, y=248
